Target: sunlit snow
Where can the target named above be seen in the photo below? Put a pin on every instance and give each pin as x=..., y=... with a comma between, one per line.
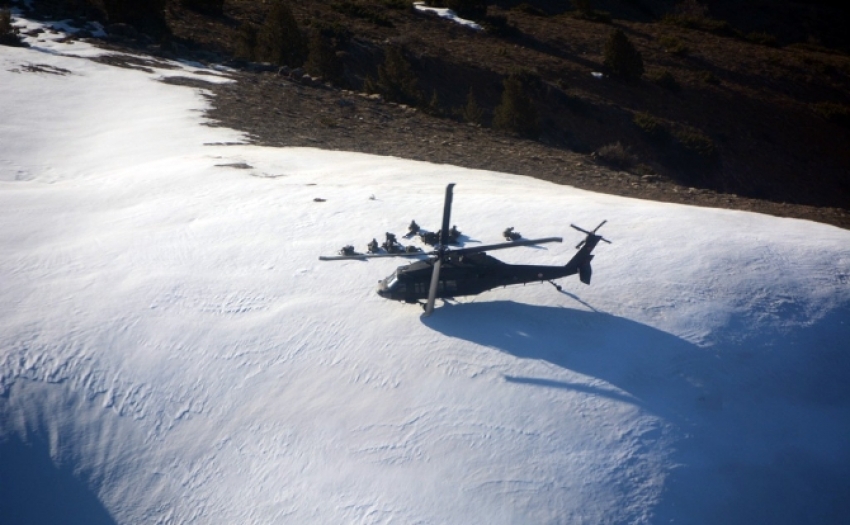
x=173, y=351
x=448, y=14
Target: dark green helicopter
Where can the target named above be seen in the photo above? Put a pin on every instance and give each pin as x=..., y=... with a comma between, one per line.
x=450, y=272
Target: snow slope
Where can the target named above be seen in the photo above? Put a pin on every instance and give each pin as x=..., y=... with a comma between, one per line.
x=172, y=350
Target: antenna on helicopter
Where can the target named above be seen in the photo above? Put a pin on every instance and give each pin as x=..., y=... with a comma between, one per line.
x=593, y=233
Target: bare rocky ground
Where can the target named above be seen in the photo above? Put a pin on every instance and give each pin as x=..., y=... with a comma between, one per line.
x=276, y=110
x=294, y=110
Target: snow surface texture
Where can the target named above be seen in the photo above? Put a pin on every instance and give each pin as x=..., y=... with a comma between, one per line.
x=172, y=350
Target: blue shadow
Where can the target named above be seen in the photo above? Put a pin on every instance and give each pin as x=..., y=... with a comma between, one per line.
x=34, y=490
x=721, y=400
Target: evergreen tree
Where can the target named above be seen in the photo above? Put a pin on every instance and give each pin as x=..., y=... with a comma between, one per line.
x=246, y=41
x=9, y=34
x=210, y=7
x=622, y=58
x=472, y=113
x=583, y=6
x=396, y=79
x=516, y=112
x=434, y=106
x=322, y=60
x=279, y=40
x=147, y=16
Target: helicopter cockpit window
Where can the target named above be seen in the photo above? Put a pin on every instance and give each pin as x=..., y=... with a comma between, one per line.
x=395, y=285
x=449, y=285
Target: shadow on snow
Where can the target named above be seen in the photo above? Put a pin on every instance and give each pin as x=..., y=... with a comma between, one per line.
x=762, y=425
x=35, y=490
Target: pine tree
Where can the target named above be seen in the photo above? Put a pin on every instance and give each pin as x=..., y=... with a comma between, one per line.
x=622, y=58
x=516, y=112
x=246, y=41
x=396, y=79
x=583, y=6
x=210, y=7
x=434, y=106
x=322, y=60
x=472, y=113
x=148, y=16
x=9, y=35
x=279, y=40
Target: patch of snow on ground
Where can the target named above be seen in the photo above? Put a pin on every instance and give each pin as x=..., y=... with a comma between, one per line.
x=448, y=14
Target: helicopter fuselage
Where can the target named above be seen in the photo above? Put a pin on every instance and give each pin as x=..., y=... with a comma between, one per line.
x=463, y=275
x=449, y=272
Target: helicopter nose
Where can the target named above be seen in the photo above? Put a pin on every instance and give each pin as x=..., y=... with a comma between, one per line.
x=382, y=289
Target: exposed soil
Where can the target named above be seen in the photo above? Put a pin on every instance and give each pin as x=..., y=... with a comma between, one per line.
x=277, y=111
x=756, y=105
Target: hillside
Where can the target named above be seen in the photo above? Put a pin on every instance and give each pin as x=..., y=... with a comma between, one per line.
x=752, y=115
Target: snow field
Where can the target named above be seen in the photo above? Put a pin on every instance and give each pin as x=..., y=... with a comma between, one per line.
x=172, y=349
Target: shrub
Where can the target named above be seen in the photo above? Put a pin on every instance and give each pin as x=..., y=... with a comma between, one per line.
x=709, y=77
x=764, y=39
x=499, y=26
x=666, y=80
x=530, y=9
x=472, y=112
x=673, y=45
x=584, y=11
x=516, y=112
x=582, y=6
x=694, y=15
x=697, y=144
x=833, y=112
x=211, y=7
x=396, y=80
x=398, y=4
x=622, y=58
x=279, y=40
x=8, y=33
x=651, y=127
x=616, y=156
x=361, y=11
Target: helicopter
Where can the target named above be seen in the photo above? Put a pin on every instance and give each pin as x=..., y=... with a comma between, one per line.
x=448, y=273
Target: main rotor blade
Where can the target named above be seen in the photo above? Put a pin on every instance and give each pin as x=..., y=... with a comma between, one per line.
x=432, y=292
x=371, y=256
x=582, y=230
x=447, y=213
x=504, y=245
x=600, y=225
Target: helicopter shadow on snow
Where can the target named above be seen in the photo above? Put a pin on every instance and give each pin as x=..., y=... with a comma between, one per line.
x=694, y=390
x=614, y=349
